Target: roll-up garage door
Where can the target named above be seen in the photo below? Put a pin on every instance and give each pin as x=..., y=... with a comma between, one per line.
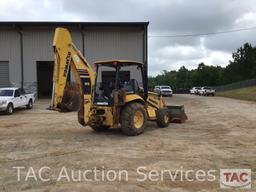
x=4, y=74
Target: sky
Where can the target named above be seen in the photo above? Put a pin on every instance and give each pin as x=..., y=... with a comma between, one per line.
x=166, y=17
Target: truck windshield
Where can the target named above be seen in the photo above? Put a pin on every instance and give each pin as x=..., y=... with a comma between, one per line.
x=6, y=93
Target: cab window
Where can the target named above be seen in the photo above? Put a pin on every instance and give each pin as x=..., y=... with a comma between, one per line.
x=17, y=93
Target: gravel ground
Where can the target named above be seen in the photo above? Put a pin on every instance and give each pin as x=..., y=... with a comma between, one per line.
x=220, y=133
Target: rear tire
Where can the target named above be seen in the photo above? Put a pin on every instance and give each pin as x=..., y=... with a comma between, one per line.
x=30, y=104
x=9, y=109
x=133, y=119
x=162, y=118
x=99, y=128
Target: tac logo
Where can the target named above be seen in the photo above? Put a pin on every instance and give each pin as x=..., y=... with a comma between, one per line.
x=235, y=178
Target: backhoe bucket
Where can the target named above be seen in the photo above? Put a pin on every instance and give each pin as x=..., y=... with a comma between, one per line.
x=71, y=99
x=177, y=114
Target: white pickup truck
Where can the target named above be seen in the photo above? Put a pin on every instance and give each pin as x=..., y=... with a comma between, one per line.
x=206, y=91
x=194, y=90
x=12, y=98
x=164, y=90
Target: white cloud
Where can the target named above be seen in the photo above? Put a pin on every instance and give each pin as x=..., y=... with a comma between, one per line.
x=182, y=52
x=31, y=10
x=217, y=58
x=172, y=58
x=247, y=20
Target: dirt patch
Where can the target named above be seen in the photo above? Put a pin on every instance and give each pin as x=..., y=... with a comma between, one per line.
x=220, y=133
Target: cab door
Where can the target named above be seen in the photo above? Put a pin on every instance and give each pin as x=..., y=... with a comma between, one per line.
x=18, y=99
x=23, y=96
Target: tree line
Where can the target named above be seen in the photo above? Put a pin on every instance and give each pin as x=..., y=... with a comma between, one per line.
x=241, y=67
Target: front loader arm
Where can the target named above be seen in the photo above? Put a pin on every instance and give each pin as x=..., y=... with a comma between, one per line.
x=155, y=100
x=67, y=56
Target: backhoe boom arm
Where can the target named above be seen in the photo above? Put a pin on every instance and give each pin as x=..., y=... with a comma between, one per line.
x=67, y=56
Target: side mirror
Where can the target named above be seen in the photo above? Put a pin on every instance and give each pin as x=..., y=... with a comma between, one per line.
x=17, y=95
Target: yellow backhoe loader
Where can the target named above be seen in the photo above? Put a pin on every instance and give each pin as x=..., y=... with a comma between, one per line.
x=110, y=97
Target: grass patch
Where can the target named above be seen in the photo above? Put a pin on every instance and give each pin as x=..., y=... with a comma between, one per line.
x=248, y=93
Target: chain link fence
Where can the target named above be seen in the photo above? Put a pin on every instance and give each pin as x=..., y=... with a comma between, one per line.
x=236, y=85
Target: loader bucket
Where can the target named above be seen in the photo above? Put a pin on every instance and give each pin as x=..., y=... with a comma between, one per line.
x=177, y=114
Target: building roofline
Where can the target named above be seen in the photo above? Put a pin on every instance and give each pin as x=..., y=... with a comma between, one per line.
x=69, y=23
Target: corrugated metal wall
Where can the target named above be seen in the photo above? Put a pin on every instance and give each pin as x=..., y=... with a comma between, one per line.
x=4, y=74
x=38, y=47
x=10, y=52
x=100, y=43
x=117, y=43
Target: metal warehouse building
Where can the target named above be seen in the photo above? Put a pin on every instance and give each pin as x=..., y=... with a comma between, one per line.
x=26, y=53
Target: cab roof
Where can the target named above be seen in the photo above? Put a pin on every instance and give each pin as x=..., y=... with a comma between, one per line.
x=9, y=88
x=118, y=63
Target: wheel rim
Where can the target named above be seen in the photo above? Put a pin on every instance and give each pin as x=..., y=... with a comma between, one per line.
x=166, y=117
x=10, y=109
x=138, y=119
x=30, y=104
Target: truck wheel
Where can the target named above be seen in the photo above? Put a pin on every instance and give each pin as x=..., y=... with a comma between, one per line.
x=99, y=128
x=9, y=109
x=30, y=104
x=162, y=117
x=133, y=119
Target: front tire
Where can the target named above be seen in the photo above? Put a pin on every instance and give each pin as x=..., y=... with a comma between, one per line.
x=133, y=119
x=162, y=118
x=9, y=109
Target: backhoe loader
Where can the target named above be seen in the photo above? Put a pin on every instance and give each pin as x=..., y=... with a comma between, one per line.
x=110, y=101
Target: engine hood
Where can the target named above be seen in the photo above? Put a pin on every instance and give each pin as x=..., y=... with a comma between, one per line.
x=4, y=98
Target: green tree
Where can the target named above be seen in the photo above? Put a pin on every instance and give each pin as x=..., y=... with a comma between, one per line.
x=243, y=65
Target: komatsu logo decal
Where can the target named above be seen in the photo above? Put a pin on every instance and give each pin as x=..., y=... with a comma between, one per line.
x=68, y=60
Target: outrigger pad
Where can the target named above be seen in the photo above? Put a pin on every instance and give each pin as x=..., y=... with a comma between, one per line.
x=177, y=114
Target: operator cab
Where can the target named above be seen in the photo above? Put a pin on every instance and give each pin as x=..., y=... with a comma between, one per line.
x=117, y=75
